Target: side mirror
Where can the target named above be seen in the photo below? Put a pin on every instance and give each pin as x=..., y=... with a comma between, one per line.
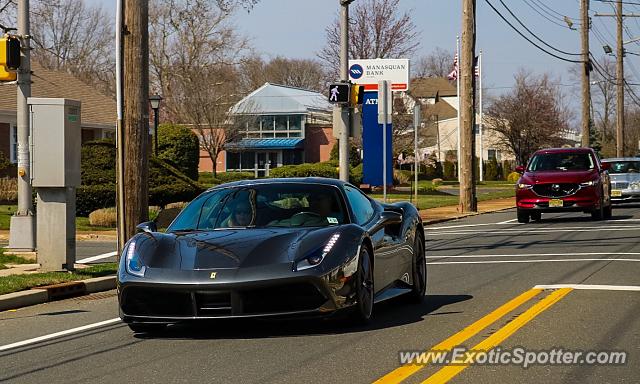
x=149, y=226
x=606, y=166
x=520, y=169
x=390, y=218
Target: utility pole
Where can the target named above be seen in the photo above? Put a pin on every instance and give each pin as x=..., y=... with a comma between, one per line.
x=468, y=201
x=120, y=197
x=136, y=114
x=619, y=83
x=343, y=141
x=586, y=84
x=22, y=228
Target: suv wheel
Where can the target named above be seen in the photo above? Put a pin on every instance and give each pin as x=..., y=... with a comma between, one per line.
x=608, y=212
x=523, y=216
x=598, y=213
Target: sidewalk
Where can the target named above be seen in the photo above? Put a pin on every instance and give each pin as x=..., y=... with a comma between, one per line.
x=440, y=214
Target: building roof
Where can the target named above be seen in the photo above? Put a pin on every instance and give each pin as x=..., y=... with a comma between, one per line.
x=278, y=143
x=281, y=99
x=97, y=109
x=427, y=87
x=441, y=109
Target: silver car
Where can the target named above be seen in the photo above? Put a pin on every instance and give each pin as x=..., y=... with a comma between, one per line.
x=625, y=179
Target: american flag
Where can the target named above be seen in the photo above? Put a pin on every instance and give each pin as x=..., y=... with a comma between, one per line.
x=453, y=75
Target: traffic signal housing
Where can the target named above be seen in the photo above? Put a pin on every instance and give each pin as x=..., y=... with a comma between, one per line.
x=9, y=58
x=357, y=95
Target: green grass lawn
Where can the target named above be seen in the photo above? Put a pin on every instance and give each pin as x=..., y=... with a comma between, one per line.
x=426, y=201
x=82, y=223
x=15, y=283
x=12, y=259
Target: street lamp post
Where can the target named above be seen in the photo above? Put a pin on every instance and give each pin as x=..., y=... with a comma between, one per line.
x=155, y=105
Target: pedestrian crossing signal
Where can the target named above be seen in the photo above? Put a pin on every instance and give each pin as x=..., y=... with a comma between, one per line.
x=9, y=58
x=339, y=93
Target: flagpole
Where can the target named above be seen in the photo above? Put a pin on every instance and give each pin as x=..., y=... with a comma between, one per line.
x=458, y=95
x=481, y=116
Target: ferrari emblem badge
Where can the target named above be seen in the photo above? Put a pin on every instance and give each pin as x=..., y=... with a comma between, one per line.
x=213, y=275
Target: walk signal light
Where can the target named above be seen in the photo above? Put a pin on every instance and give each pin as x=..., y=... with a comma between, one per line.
x=339, y=93
x=9, y=58
x=357, y=94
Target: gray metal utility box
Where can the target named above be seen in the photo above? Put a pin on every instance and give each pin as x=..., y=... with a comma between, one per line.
x=56, y=139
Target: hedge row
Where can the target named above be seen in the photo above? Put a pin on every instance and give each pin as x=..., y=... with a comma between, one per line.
x=327, y=169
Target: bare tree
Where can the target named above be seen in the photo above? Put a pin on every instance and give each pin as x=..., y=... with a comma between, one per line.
x=195, y=52
x=377, y=29
x=72, y=36
x=300, y=73
x=529, y=117
x=438, y=63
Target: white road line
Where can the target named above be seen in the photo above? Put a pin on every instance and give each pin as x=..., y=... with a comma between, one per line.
x=528, y=231
x=470, y=225
x=536, y=254
x=508, y=221
x=97, y=257
x=591, y=287
x=58, y=334
x=525, y=261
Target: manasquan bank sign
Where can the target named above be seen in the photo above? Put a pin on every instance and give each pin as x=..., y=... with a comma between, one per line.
x=369, y=72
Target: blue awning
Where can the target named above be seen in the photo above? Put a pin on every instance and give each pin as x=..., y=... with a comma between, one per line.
x=249, y=144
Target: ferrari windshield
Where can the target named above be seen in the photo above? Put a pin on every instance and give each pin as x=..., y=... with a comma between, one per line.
x=561, y=161
x=624, y=166
x=263, y=205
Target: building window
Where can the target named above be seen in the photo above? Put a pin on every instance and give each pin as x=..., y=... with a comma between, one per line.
x=248, y=160
x=493, y=154
x=291, y=157
x=233, y=160
x=13, y=137
x=279, y=126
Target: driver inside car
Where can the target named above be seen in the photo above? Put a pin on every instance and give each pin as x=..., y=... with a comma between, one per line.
x=241, y=215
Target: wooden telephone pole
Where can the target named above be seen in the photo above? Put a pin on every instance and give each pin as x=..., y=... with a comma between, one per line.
x=586, y=83
x=468, y=202
x=136, y=114
x=619, y=83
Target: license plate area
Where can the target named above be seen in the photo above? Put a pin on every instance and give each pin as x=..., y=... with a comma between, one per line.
x=556, y=203
x=616, y=193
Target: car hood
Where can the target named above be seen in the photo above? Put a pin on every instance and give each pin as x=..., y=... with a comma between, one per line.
x=628, y=177
x=570, y=177
x=230, y=248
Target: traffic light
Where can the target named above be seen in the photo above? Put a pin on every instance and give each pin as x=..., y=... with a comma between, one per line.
x=357, y=94
x=9, y=58
x=339, y=93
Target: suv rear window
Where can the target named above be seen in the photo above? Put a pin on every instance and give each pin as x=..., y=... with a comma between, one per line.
x=562, y=161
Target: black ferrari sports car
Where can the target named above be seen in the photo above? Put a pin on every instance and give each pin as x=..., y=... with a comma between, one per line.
x=272, y=247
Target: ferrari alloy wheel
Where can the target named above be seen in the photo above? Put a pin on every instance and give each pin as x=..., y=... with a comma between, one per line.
x=146, y=327
x=419, y=270
x=364, y=288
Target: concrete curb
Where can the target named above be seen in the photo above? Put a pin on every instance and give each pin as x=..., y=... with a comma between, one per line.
x=445, y=219
x=56, y=292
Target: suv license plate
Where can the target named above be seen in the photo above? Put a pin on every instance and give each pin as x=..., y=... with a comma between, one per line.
x=555, y=203
x=616, y=193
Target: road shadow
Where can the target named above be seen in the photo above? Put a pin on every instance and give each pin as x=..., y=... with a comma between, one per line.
x=392, y=313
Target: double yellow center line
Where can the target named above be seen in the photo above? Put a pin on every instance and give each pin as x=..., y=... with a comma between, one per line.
x=448, y=372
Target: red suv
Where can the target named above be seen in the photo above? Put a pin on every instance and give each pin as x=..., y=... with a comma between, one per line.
x=561, y=180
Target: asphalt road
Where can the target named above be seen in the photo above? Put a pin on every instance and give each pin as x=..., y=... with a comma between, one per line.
x=482, y=271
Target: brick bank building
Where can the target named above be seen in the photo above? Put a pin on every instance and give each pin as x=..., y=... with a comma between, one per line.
x=282, y=125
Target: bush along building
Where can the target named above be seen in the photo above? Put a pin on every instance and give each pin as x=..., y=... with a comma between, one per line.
x=280, y=125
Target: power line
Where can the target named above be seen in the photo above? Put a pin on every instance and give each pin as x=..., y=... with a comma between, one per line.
x=528, y=39
x=545, y=16
x=554, y=11
x=533, y=34
x=615, y=1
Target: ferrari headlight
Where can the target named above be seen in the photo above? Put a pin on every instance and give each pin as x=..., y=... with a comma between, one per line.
x=589, y=183
x=524, y=186
x=317, y=256
x=133, y=262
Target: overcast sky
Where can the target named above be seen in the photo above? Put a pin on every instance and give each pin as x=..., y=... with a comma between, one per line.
x=296, y=28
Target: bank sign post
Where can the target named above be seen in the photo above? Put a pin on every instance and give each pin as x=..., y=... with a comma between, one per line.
x=377, y=161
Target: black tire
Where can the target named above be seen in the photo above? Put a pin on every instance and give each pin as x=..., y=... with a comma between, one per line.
x=146, y=327
x=536, y=216
x=523, y=216
x=419, y=271
x=598, y=213
x=363, y=309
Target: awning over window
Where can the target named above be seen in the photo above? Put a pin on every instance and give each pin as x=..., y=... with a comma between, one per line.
x=251, y=144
